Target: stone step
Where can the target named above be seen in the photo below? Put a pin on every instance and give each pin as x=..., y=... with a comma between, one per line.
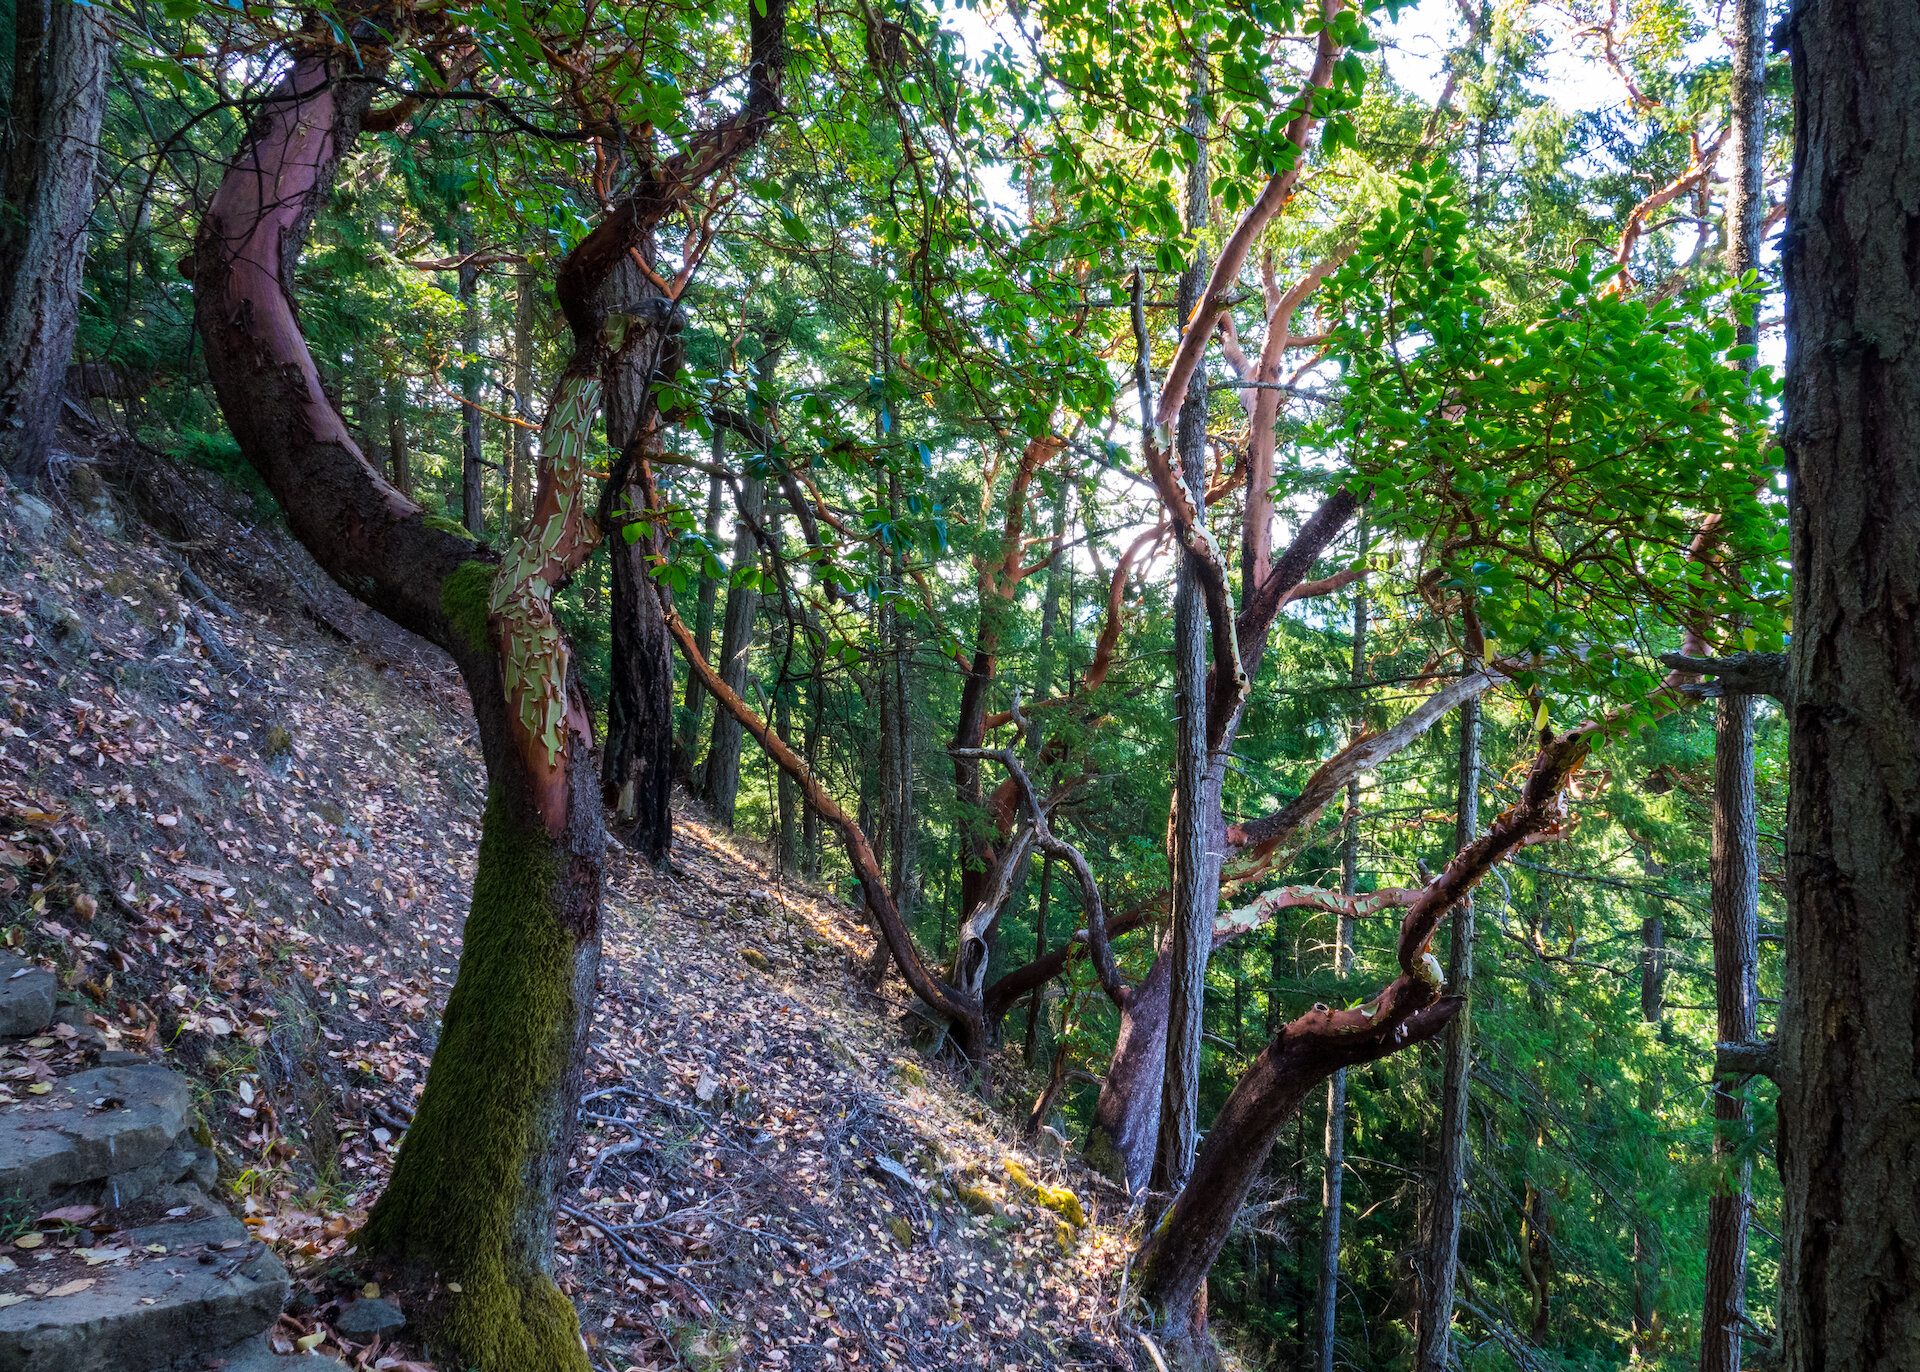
x=106, y=1137
x=26, y=998
x=255, y=1356
x=209, y=1286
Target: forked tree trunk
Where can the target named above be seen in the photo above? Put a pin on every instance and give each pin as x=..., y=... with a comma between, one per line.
x=471, y=1200
x=1450, y=1179
x=1849, y=1057
x=1735, y=862
x=60, y=55
x=1172, y=1264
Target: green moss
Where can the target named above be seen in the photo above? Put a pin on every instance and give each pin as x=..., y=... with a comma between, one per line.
x=447, y=526
x=463, y=600
x=456, y=1204
x=1103, y=1157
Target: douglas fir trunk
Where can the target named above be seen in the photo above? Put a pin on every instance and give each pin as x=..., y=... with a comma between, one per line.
x=1849, y=1063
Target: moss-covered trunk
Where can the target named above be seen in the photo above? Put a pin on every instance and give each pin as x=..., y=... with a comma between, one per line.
x=470, y=1207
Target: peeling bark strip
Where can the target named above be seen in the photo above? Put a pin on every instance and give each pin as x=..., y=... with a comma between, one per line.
x=1173, y=1262
x=553, y=545
x=1849, y=1064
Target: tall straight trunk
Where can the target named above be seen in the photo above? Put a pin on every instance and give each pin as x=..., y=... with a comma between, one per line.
x=469, y=1209
x=366, y=405
x=473, y=492
x=636, y=778
x=1849, y=1059
x=1196, y=882
x=1450, y=1180
x=897, y=771
x=526, y=305
x=786, y=829
x=1332, y=1177
x=810, y=749
x=399, y=464
x=720, y=777
x=1735, y=862
x=1031, y=1043
x=693, y=708
x=60, y=54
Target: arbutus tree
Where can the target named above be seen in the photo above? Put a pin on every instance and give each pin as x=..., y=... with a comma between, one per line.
x=467, y=1217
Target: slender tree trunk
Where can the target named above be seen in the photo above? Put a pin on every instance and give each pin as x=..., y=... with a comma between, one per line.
x=1332, y=1176
x=720, y=777
x=1849, y=1057
x=473, y=468
x=694, y=707
x=1735, y=875
x=1450, y=1182
x=787, y=796
x=470, y=1205
x=60, y=54
x=1038, y=994
x=1196, y=883
x=399, y=465
x=525, y=307
x=810, y=747
x=367, y=417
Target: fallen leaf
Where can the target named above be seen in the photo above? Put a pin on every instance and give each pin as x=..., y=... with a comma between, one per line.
x=71, y=1214
x=72, y=1288
x=12, y=1299
x=29, y=1240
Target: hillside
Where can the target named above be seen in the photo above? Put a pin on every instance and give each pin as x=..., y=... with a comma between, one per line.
x=238, y=819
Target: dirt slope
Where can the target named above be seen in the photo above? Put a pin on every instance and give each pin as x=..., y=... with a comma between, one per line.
x=240, y=822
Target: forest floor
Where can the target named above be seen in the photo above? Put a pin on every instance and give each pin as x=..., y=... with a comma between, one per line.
x=238, y=815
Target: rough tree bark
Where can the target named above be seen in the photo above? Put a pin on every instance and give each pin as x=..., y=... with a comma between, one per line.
x=1849, y=1061
x=60, y=55
x=1450, y=1179
x=1735, y=863
x=472, y=1195
x=636, y=783
x=1196, y=873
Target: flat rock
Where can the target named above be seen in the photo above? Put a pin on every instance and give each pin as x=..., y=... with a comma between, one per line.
x=119, y=1127
x=212, y=1288
x=26, y=997
x=364, y=1318
x=255, y=1356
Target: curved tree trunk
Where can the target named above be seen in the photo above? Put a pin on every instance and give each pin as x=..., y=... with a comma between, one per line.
x=1172, y=1264
x=60, y=56
x=471, y=1199
x=1849, y=1056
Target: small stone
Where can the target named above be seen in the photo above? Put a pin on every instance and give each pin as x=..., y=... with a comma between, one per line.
x=754, y=958
x=364, y=1318
x=902, y=1231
